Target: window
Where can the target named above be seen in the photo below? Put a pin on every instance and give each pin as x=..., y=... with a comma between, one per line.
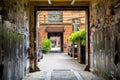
x=75, y=25
x=55, y=16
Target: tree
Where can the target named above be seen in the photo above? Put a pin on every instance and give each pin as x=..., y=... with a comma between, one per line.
x=81, y=35
x=72, y=39
x=78, y=37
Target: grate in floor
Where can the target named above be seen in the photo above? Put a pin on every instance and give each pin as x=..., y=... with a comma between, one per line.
x=63, y=74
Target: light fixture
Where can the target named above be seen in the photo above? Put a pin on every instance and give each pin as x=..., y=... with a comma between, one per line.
x=73, y=1
x=49, y=1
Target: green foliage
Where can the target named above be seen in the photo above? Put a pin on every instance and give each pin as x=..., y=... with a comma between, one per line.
x=46, y=45
x=79, y=34
x=83, y=37
x=72, y=37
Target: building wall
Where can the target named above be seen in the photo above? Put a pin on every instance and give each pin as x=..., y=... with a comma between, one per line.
x=13, y=39
x=105, y=31
x=67, y=33
x=13, y=51
x=67, y=24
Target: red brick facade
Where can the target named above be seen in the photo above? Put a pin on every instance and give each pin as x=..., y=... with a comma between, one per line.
x=67, y=24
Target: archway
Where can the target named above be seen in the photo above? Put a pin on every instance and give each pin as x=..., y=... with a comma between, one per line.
x=35, y=7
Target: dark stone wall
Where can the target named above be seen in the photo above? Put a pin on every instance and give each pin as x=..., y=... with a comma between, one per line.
x=105, y=55
x=105, y=39
x=13, y=38
x=13, y=50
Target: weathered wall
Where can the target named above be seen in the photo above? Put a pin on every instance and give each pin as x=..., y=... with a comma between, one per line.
x=13, y=39
x=105, y=38
x=13, y=50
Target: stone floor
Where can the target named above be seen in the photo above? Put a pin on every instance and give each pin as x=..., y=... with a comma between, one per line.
x=60, y=66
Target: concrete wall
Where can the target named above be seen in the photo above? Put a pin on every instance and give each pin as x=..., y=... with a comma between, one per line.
x=105, y=39
x=13, y=39
x=13, y=51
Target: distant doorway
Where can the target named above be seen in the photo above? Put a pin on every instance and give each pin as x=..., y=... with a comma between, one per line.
x=57, y=41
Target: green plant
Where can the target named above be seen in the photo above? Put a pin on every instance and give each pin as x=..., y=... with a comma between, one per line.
x=82, y=34
x=72, y=37
x=79, y=34
x=46, y=45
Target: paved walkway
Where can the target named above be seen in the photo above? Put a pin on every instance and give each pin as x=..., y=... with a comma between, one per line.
x=60, y=66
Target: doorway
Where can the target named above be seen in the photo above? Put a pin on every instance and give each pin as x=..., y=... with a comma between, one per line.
x=57, y=41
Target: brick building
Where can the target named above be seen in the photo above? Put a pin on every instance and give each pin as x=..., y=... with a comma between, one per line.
x=60, y=24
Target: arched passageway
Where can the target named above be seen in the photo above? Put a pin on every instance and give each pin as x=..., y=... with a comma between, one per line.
x=49, y=30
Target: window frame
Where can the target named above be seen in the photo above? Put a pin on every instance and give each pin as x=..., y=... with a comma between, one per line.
x=56, y=15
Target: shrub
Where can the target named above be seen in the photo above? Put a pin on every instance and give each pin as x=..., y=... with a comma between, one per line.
x=46, y=45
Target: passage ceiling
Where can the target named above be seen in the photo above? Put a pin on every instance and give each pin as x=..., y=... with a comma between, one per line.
x=62, y=2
